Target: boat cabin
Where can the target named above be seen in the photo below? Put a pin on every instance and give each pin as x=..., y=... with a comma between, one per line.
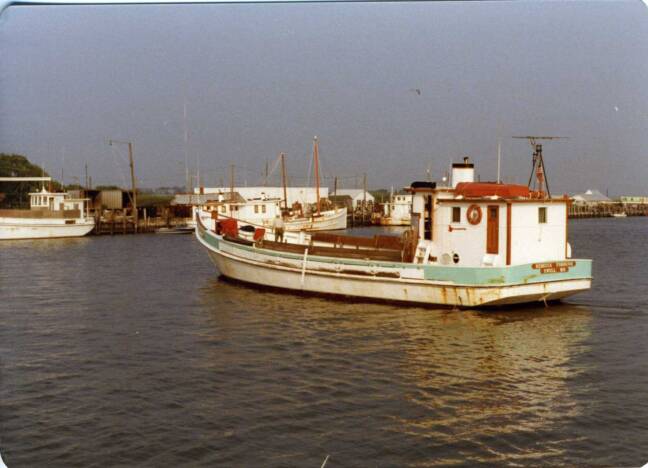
x=486, y=224
x=254, y=211
x=56, y=201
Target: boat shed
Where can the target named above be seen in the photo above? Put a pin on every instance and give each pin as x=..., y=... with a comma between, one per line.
x=113, y=199
x=357, y=196
x=342, y=201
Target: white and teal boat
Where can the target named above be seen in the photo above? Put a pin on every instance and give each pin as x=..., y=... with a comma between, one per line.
x=469, y=245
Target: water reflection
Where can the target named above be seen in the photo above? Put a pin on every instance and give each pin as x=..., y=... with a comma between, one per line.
x=489, y=375
x=480, y=386
x=44, y=244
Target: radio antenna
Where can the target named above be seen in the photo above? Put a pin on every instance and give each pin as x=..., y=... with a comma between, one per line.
x=538, y=167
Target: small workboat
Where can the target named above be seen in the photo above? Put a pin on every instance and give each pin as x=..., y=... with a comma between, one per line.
x=469, y=245
x=398, y=211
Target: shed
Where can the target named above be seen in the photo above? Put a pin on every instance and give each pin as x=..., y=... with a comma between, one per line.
x=357, y=196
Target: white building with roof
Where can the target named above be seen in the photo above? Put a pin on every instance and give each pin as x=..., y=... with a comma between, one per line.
x=590, y=197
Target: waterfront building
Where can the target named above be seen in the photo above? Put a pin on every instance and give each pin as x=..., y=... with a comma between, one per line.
x=358, y=196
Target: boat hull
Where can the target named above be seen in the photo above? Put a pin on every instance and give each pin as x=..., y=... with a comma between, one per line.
x=379, y=281
x=20, y=228
x=395, y=221
x=328, y=221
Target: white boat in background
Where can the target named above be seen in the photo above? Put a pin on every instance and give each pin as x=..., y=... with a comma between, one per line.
x=398, y=211
x=262, y=211
x=51, y=215
x=470, y=245
x=622, y=214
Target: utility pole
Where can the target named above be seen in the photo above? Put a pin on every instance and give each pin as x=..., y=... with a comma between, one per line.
x=284, y=179
x=335, y=186
x=86, y=175
x=133, y=198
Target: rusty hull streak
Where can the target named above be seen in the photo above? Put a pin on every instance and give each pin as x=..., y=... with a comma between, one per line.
x=526, y=279
x=497, y=280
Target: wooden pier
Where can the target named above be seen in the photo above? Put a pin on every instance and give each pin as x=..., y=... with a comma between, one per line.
x=606, y=210
x=120, y=222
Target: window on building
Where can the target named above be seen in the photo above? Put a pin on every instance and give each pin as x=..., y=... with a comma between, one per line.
x=542, y=214
x=256, y=209
x=456, y=214
x=263, y=208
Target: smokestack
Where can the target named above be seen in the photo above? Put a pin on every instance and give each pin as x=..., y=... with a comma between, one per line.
x=463, y=172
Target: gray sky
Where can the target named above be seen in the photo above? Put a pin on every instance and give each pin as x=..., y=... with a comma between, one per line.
x=260, y=79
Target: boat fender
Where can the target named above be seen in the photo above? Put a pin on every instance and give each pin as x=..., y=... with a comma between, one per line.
x=474, y=214
x=455, y=257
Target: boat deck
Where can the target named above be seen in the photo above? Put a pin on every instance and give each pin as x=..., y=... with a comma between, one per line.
x=380, y=248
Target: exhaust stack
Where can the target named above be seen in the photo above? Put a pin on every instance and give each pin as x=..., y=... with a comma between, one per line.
x=463, y=172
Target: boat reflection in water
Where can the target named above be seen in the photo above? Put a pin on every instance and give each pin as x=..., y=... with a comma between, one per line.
x=499, y=380
x=404, y=385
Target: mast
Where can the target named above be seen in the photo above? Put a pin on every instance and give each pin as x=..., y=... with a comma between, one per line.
x=538, y=167
x=186, y=141
x=499, y=158
x=284, y=179
x=317, y=180
x=364, y=196
x=232, y=183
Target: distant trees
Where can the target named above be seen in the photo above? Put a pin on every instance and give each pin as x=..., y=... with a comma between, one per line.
x=16, y=194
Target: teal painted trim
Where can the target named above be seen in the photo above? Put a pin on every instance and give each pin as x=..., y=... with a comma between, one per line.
x=505, y=276
x=209, y=239
x=482, y=276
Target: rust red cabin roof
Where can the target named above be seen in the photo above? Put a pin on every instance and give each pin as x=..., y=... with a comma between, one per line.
x=488, y=189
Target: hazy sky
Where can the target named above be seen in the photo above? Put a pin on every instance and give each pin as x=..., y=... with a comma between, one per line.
x=260, y=79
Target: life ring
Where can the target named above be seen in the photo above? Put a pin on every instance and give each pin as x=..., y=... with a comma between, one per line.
x=474, y=214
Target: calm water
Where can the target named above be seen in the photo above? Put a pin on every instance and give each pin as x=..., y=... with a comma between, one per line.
x=130, y=351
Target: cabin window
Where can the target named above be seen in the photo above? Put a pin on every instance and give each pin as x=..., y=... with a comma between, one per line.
x=263, y=208
x=456, y=214
x=542, y=215
x=223, y=208
x=428, y=219
x=76, y=206
x=256, y=209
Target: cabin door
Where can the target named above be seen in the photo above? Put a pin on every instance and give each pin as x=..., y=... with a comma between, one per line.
x=492, y=229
